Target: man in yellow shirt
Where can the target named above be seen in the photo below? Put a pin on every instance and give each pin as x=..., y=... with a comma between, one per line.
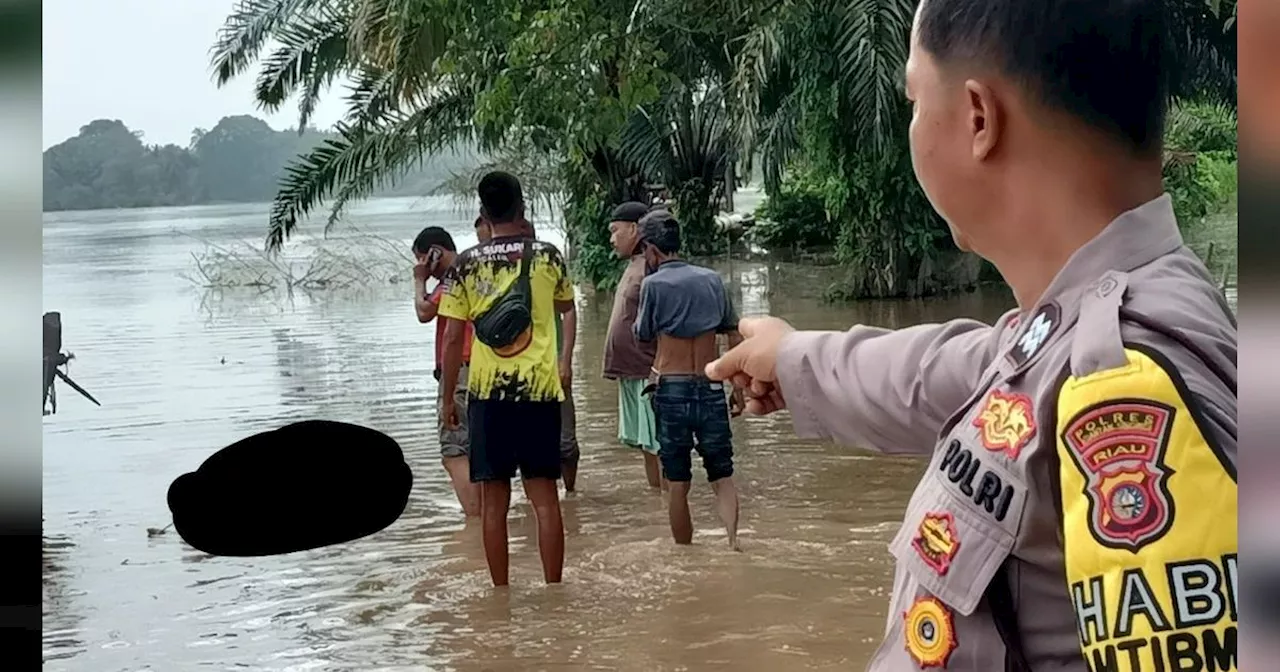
x=511, y=289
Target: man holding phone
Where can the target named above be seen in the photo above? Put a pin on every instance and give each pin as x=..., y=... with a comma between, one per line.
x=435, y=253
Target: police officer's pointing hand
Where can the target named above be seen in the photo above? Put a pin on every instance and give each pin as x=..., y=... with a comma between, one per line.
x=752, y=365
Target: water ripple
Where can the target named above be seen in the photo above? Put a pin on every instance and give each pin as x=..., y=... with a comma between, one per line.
x=181, y=374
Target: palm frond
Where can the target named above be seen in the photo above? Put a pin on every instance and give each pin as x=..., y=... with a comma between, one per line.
x=313, y=51
x=364, y=157
x=404, y=38
x=538, y=171
x=871, y=52
x=247, y=30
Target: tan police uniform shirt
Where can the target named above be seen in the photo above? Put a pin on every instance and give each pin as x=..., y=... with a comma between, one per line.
x=1079, y=507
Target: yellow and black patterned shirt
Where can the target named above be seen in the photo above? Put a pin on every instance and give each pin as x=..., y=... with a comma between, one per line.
x=528, y=369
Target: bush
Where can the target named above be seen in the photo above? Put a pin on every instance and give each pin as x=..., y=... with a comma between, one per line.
x=1200, y=159
x=586, y=219
x=796, y=217
x=1202, y=186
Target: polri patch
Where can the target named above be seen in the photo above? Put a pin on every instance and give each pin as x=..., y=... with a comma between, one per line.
x=930, y=633
x=1119, y=447
x=936, y=540
x=1039, y=328
x=1006, y=423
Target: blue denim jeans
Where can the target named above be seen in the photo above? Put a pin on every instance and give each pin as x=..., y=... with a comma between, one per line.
x=692, y=413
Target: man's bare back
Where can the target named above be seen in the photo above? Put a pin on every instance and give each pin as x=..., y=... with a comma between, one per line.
x=684, y=308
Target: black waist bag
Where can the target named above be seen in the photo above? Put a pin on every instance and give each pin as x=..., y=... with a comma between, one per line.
x=512, y=314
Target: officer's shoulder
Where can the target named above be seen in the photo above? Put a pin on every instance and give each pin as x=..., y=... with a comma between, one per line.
x=1169, y=343
x=1166, y=318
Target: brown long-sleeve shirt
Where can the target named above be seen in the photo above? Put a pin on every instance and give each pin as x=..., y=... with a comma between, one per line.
x=624, y=355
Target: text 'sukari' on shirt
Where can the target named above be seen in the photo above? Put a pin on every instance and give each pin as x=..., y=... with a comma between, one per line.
x=482, y=275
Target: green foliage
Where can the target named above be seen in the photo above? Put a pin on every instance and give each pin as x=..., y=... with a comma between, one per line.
x=620, y=95
x=796, y=217
x=240, y=160
x=586, y=216
x=1200, y=159
x=889, y=233
x=1203, y=186
x=578, y=80
x=108, y=166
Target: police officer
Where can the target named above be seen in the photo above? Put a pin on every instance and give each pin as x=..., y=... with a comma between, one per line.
x=1079, y=507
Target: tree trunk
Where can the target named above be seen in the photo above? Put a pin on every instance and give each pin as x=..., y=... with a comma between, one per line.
x=730, y=183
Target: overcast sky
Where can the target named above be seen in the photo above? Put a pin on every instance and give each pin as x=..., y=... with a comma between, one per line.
x=146, y=63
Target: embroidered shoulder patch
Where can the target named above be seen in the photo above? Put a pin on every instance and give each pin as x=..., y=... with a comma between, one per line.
x=930, y=633
x=1119, y=448
x=936, y=540
x=1006, y=423
x=1039, y=328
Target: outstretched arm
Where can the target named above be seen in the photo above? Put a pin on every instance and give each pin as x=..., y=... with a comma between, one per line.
x=888, y=390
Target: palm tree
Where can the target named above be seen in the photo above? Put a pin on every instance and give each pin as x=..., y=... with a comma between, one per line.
x=400, y=108
x=407, y=103
x=819, y=83
x=685, y=142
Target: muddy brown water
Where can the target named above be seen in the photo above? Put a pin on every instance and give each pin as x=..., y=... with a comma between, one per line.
x=182, y=372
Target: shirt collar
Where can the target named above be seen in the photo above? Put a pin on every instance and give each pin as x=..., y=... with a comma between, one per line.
x=1132, y=240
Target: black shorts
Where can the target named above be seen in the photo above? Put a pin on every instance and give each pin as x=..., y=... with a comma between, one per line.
x=511, y=435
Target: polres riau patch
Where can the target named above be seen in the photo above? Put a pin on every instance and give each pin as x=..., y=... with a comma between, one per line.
x=936, y=540
x=929, y=631
x=1119, y=447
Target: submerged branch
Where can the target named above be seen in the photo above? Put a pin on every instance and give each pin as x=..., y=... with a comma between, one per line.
x=355, y=260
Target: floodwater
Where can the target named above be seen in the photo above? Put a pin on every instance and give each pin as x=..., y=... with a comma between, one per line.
x=182, y=371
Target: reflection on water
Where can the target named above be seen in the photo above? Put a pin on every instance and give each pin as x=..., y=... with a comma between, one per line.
x=182, y=373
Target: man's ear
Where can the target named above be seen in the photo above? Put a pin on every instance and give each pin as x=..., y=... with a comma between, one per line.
x=986, y=118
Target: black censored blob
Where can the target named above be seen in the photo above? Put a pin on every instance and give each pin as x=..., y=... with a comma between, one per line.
x=302, y=486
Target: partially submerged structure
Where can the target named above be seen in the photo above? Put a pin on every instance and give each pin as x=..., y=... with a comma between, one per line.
x=54, y=362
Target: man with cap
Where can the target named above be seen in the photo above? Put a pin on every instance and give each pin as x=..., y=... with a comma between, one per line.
x=683, y=308
x=627, y=359
x=1078, y=510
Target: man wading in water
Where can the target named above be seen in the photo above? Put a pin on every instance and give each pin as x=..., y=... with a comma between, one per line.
x=627, y=359
x=435, y=253
x=1079, y=508
x=511, y=289
x=684, y=307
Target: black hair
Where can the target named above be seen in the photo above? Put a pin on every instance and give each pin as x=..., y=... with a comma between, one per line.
x=631, y=211
x=660, y=229
x=1104, y=62
x=500, y=197
x=433, y=235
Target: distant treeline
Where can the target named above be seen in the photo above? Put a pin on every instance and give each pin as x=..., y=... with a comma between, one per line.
x=238, y=161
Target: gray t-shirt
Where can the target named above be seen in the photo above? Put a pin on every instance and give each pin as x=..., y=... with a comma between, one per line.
x=683, y=300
